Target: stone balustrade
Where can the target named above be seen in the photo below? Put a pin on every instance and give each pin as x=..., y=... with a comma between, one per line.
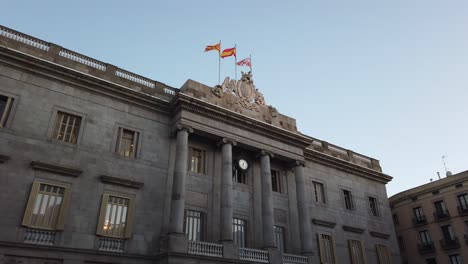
x=205, y=248
x=39, y=237
x=255, y=255
x=294, y=259
x=111, y=244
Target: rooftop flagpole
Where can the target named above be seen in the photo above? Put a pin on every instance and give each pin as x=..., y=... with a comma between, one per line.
x=235, y=60
x=219, y=63
x=250, y=60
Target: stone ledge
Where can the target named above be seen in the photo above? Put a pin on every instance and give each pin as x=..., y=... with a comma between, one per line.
x=59, y=169
x=122, y=182
x=323, y=223
x=353, y=229
x=379, y=235
x=4, y=158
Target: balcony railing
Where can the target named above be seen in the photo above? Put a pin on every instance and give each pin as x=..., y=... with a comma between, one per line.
x=205, y=249
x=448, y=244
x=255, y=255
x=40, y=237
x=426, y=248
x=294, y=259
x=441, y=215
x=420, y=220
x=462, y=211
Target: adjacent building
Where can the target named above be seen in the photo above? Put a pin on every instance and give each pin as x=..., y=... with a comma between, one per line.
x=431, y=221
x=102, y=165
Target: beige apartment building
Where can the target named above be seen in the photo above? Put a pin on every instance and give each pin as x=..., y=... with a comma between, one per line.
x=431, y=221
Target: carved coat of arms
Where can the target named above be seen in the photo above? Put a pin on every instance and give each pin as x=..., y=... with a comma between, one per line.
x=247, y=95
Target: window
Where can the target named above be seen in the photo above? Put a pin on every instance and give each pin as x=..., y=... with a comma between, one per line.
x=327, y=249
x=280, y=238
x=67, y=127
x=127, y=143
x=395, y=219
x=197, y=160
x=383, y=254
x=463, y=200
x=348, y=199
x=356, y=252
x=116, y=217
x=441, y=209
x=447, y=232
x=419, y=214
x=401, y=244
x=319, y=194
x=276, y=183
x=425, y=238
x=239, y=227
x=47, y=206
x=6, y=104
x=431, y=261
x=238, y=175
x=373, y=207
x=455, y=259
x=194, y=225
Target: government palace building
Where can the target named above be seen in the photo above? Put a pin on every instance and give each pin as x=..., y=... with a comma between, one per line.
x=100, y=165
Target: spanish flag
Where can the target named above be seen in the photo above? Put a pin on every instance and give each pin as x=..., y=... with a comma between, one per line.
x=213, y=47
x=228, y=52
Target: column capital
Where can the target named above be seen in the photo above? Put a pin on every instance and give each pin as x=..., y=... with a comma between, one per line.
x=180, y=127
x=227, y=141
x=265, y=153
x=298, y=163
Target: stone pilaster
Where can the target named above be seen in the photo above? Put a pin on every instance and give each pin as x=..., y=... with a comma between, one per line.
x=303, y=210
x=226, y=190
x=267, y=201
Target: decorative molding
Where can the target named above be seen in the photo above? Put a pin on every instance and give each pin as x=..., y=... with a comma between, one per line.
x=379, y=235
x=323, y=223
x=122, y=182
x=353, y=229
x=4, y=158
x=184, y=127
x=59, y=169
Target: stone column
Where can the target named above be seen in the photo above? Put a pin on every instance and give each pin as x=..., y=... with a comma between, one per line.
x=267, y=201
x=226, y=190
x=303, y=210
x=178, y=186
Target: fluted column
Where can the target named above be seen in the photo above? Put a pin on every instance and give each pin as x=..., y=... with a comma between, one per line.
x=303, y=209
x=267, y=201
x=178, y=185
x=226, y=190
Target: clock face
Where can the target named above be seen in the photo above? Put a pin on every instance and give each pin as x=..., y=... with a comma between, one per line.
x=243, y=164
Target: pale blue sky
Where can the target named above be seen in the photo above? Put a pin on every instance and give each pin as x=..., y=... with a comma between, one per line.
x=384, y=78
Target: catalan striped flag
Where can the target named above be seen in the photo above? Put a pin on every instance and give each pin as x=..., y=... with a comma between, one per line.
x=213, y=47
x=245, y=62
x=228, y=52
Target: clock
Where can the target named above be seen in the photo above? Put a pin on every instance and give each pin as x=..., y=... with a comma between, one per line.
x=243, y=164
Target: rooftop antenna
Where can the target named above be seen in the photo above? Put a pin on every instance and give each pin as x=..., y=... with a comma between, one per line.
x=438, y=174
x=447, y=172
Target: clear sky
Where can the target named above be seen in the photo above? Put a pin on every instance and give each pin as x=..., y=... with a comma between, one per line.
x=387, y=79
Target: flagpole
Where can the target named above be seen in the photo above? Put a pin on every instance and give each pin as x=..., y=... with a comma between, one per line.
x=250, y=59
x=235, y=61
x=219, y=64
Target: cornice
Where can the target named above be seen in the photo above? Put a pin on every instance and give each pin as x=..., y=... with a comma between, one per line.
x=121, y=181
x=346, y=166
x=319, y=222
x=199, y=107
x=54, y=168
x=60, y=73
x=379, y=234
x=353, y=229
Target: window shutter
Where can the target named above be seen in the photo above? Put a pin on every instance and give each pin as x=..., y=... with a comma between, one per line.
x=130, y=217
x=63, y=209
x=31, y=202
x=102, y=214
x=363, y=250
x=119, y=139
x=321, y=249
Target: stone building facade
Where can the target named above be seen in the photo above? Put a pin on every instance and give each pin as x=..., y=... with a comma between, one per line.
x=431, y=221
x=101, y=165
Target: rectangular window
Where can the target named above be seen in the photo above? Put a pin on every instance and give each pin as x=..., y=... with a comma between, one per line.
x=441, y=209
x=127, y=143
x=116, y=216
x=447, y=232
x=276, y=183
x=463, y=200
x=373, y=207
x=197, y=160
x=280, y=238
x=47, y=206
x=238, y=175
x=327, y=249
x=194, y=225
x=239, y=230
x=425, y=238
x=419, y=214
x=455, y=259
x=383, y=254
x=6, y=104
x=356, y=252
x=348, y=199
x=319, y=194
x=67, y=127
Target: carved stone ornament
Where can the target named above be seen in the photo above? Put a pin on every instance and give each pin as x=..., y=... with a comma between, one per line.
x=247, y=95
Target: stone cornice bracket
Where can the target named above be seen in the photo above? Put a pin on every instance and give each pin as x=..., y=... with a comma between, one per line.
x=265, y=152
x=58, y=169
x=227, y=141
x=3, y=159
x=184, y=127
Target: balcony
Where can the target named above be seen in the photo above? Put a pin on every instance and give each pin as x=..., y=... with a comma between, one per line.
x=419, y=221
x=462, y=211
x=426, y=248
x=441, y=215
x=448, y=244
